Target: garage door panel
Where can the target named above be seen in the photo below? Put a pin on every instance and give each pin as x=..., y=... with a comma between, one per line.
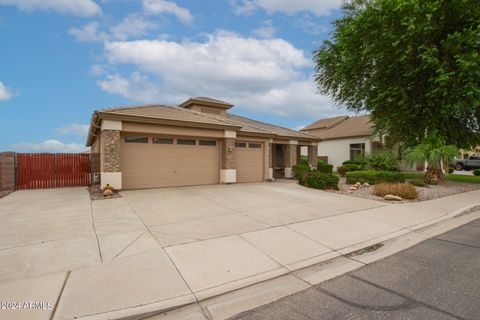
x=156, y=165
x=249, y=163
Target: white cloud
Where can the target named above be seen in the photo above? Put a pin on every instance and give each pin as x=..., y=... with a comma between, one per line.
x=82, y=8
x=5, y=92
x=260, y=75
x=162, y=6
x=88, y=33
x=74, y=129
x=266, y=30
x=317, y=7
x=137, y=87
x=49, y=146
x=130, y=27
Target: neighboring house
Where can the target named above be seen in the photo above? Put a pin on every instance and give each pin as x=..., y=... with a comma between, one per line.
x=198, y=142
x=464, y=154
x=343, y=138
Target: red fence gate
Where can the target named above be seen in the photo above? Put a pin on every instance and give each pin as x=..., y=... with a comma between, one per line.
x=47, y=170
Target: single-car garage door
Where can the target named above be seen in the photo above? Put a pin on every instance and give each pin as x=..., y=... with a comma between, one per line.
x=153, y=162
x=249, y=159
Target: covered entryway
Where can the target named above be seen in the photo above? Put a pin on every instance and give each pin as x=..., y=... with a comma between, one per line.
x=153, y=162
x=249, y=159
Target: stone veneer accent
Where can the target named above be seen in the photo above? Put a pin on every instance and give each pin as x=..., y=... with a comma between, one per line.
x=313, y=155
x=290, y=155
x=7, y=171
x=111, y=150
x=228, y=153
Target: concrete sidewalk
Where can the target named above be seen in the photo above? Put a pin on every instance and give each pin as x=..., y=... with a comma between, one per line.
x=137, y=269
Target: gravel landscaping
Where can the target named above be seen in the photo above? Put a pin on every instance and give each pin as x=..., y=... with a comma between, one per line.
x=445, y=188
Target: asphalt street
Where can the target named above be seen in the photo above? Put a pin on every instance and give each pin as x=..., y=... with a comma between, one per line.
x=436, y=279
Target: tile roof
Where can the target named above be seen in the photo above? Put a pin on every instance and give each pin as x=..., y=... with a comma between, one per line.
x=167, y=113
x=341, y=127
x=175, y=113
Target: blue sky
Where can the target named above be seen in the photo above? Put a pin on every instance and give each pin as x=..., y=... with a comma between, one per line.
x=61, y=60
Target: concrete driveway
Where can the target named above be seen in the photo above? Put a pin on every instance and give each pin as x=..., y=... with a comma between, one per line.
x=160, y=248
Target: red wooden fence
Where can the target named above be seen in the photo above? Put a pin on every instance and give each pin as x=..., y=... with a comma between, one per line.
x=46, y=170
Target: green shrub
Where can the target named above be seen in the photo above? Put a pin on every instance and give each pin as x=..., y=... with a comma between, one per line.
x=417, y=182
x=320, y=162
x=325, y=168
x=357, y=162
x=319, y=180
x=304, y=160
x=380, y=161
x=299, y=170
x=341, y=170
x=373, y=177
x=352, y=167
x=476, y=172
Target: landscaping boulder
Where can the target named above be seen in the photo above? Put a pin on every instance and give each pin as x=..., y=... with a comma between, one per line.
x=107, y=192
x=391, y=197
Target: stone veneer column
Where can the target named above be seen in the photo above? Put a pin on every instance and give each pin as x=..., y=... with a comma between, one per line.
x=110, y=159
x=7, y=171
x=228, y=172
x=313, y=155
x=290, y=158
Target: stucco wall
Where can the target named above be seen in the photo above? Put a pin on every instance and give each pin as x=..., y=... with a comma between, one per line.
x=338, y=150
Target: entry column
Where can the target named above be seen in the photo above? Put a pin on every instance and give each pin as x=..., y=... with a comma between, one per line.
x=290, y=157
x=228, y=172
x=110, y=154
x=313, y=155
x=269, y=157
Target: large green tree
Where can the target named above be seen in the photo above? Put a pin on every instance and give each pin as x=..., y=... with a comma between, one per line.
x=414, y=65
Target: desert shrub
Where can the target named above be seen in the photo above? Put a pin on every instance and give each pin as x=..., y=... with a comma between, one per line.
x=476, y=172
x=380, y=161
x=299, y=170
x=320, y=180
x=374, y=177
x=403, y=190
x=341, y=170
x=325, y=168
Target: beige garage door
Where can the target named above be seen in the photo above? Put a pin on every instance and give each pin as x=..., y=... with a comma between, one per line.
x=249, y=156
x=153, y=162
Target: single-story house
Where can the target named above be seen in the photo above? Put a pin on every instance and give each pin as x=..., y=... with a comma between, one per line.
x=343, y=138
x=197, y=142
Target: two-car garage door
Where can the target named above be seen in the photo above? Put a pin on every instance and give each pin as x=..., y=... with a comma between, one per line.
x=150, y=162
x=154, y=162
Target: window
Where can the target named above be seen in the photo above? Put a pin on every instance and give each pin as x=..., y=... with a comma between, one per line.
x=187, y=142
x=240, y=145
x=357, y=150
x=255, y=145
x=136, y=139
x=211, y=143
x=162, y=140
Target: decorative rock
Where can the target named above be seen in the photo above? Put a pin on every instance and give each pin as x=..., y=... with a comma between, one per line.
x=366, y=184
x=391, y=197
x=353, y=188
x=107, y=192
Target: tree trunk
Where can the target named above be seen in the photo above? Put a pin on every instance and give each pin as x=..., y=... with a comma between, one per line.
x=433, y=175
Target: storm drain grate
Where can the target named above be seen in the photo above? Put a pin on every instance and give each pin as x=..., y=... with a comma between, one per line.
x=368, y=249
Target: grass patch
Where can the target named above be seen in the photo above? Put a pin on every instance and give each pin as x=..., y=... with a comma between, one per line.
x=463, y=178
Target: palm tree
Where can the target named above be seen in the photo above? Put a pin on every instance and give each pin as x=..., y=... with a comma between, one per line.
x=434, y=151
